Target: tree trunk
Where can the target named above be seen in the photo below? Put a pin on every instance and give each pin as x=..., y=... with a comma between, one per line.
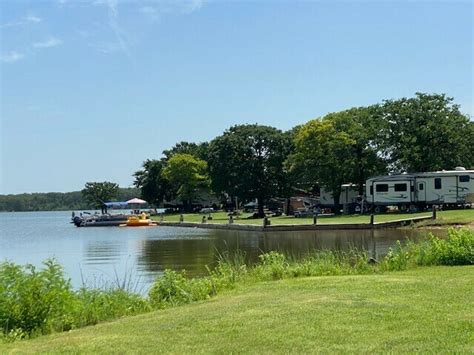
x=336, y=197
x=261, y=214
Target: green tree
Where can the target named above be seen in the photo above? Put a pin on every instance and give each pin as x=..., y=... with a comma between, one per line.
x=199, y=150
x=325, y=155
x=153, y=186
x=186, y=174
x=364, y=126
x=247, y=162
x=96, y=193
x=427, y=133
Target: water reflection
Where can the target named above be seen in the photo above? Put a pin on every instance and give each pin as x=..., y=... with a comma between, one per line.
x=196, y=255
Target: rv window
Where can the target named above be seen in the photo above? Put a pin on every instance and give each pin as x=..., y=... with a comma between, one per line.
x=437, y=183
x=371, y=190
x=421, y=187
x=400, y=187
x=464, y=178
x=381, y=188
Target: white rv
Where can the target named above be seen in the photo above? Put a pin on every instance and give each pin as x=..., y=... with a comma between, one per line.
x=348, y=198
x=419, y=190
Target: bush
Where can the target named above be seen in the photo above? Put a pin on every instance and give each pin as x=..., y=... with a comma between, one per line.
x=39, y=302
x=457, y=249
x=273, y=266
x=96, y=305
x=175, y=289
x=34, y=301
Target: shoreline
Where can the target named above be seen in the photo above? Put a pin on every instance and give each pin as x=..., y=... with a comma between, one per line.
x=297, y=227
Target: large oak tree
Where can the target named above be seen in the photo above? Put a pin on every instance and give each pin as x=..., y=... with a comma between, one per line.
x=247, y=162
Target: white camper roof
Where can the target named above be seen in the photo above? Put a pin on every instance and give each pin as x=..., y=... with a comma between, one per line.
x=410, y=176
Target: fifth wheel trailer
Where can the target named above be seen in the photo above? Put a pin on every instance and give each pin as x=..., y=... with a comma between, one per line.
x=419, y=190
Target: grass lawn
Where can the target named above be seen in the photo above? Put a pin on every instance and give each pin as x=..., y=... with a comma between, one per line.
x=422, y=310
x=444, y=217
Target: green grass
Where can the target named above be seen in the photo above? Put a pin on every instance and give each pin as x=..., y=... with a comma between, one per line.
x=454, y=217
x=421, y=310
x=444, y=218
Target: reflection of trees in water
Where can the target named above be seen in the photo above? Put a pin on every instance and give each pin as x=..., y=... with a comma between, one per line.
x=190, y=254
x=194, y=254
x=102, y=251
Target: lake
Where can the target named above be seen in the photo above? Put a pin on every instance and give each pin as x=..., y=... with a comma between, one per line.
x=98, y=255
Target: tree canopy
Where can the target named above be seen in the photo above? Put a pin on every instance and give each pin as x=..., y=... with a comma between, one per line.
x=154, y=187
x=96, y=193
x=423, y=133
x=426, y=133
x=186, y=174
x=247, y=161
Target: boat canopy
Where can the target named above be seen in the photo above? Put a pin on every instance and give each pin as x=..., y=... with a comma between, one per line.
x=115, y=204
x=137, y=201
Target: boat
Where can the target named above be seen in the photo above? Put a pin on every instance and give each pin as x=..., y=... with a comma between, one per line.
x=138, y=221
x=86, y=219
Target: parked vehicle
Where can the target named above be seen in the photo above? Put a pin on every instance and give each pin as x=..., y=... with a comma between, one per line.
x=448, y=188
x=349, y=199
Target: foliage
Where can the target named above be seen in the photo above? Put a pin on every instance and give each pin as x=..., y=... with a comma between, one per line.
x=456, y=249
x=186, y=174
x=325, y=155
x=199, y=150
x=39, y=302
x=247, y=161
x=34, y=301
x=55, y=201
x=364, y=126
x=426, y=133
x=96, y=193
x=96, y=305
x=154, y=187
x=341, y=147
x=175, y=289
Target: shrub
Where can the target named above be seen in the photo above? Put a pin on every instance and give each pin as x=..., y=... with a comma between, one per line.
x=34, y=301
x=228, y=271
x=272, y=266
x=457, y=249
x=38, y=302
x=96, y=305
x=173, y=289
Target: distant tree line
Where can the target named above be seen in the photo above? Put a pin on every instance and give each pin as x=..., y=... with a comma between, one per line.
x=424, y=133
x=58, y=201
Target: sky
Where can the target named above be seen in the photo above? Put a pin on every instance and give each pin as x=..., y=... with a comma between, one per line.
x=90, y=89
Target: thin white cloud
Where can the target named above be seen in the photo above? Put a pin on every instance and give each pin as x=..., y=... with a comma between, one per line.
x=193, y=5
x=113, y=22
x=48, y=43
x=25, y=20
x=152, y=13
x=11, y=57
x=32, y=19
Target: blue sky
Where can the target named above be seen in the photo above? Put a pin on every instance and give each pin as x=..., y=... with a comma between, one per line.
x=90, y=89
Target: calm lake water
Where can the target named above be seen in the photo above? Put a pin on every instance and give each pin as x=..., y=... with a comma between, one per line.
x=98, y=255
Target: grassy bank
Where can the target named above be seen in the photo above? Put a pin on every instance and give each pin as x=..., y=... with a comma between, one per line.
x=455, y=217
x=422, y=310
